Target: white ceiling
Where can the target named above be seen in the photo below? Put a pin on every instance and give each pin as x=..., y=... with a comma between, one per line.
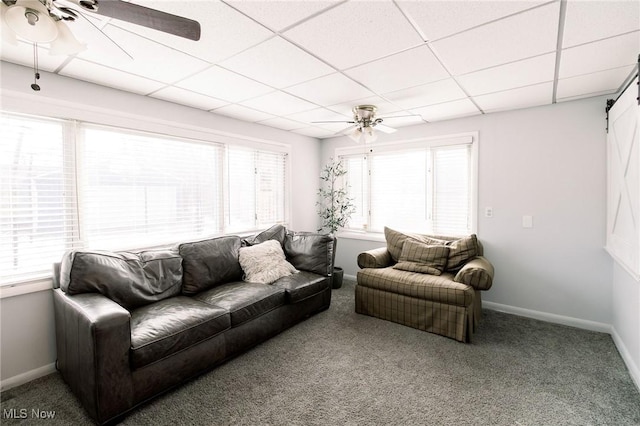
x=287, y=64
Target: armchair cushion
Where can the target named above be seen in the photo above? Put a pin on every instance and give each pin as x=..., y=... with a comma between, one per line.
x=423, y=258
x=461, y=251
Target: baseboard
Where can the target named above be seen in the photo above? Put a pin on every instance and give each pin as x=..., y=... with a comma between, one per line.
x=23, y=378
x=634, y=370
x=545, y=316
x=349, y=277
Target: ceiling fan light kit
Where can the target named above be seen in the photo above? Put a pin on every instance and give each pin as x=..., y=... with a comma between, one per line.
x=30, y=20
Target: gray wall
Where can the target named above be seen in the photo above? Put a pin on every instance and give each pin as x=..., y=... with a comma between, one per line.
x=548, y=162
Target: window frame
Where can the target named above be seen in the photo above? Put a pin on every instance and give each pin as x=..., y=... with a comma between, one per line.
x=470, y=138
x=72, y=144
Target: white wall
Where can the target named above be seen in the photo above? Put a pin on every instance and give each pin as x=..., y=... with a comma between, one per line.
x=626, y=319
x=548, y=162
x=27, y=336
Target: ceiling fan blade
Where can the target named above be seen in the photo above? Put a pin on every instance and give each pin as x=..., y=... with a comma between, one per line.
x=338, y=121
x=346, y=130
x=401, y=116
x=140, y=15
x=385, y=129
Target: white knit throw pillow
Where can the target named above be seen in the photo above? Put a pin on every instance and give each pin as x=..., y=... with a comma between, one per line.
x=264, y=263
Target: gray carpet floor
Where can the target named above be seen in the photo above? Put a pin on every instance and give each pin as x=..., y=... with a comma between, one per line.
x=341, y=368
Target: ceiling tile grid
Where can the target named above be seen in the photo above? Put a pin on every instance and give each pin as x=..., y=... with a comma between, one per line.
x=289, y=64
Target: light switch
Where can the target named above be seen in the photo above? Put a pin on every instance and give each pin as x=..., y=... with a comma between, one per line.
x=527, y=221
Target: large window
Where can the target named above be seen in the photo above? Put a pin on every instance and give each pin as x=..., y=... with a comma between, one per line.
x=67, y=185
x=426, y=186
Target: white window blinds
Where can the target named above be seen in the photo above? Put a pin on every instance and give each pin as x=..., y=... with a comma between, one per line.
x=36, y=215
x=426, y=188
x=256, y=188
x=140, y=190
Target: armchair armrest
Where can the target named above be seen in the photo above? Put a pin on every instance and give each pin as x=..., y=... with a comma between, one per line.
x=478, y=273
x=375, y=258
x=93, y=339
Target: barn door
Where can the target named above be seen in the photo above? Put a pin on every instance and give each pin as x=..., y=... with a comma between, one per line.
x=623, y=186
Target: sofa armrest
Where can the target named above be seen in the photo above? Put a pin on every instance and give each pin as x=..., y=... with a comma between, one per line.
x=478, y=273
x=376, y=258
x=93, y=340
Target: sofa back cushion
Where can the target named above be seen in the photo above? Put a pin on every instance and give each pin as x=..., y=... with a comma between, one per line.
x=129, y=279
x=311, y=252
x=209, y=263
x=276, y=232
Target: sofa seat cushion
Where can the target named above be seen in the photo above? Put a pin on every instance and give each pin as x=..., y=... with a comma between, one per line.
x=171, y=325
x=302, y=285
x=243, y=300
x=436, y=288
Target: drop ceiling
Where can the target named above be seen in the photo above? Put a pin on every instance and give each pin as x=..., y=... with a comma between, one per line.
x=288, y=64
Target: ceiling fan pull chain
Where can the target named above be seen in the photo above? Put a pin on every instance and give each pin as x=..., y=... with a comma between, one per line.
x=36, y=73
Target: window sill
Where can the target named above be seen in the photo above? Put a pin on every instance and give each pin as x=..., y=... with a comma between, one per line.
x=366, y=236
x=18, y=289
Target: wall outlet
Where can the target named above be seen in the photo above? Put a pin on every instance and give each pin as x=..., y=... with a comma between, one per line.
x=488, y=212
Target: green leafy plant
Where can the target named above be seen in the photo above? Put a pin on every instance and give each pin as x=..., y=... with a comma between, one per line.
x=335, y=207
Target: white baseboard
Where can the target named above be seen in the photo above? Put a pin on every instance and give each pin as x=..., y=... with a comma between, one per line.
x=545, y=316
x=634, y=370
x=350, y=277
x=23, y=378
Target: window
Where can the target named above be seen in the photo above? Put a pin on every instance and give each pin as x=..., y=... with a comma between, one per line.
x=256, y=188
x=36, y=215
x=427, y=186
x=66, y=185
x=141, y=190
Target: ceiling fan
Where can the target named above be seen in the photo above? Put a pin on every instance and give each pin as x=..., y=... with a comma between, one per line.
x=364, y=120
x=44, y=21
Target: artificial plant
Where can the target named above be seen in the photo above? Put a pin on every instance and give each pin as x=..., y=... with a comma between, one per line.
x=334, y=207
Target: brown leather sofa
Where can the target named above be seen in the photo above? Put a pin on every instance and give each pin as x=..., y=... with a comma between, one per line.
x=132, y=325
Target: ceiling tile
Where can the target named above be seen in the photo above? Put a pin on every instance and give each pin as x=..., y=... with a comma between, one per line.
x=150, y=59
x=410, y=68
x=427, y=94
x=587, y=21
x=516, y=74
x=242, y=113
x=319, y=114
x=22, y=53
x=403, y=120
x=329, y=90
x=598, y=83
x=279, y=103
x=530, y=96
x=356, y=32
x=437, y=19
x=448, y=110
x=225, y=31
x=283, y=123
x=280, y=14
x=315, y=132
x=189, y=98
x=223, y=84
x=94, y=73
x=265, y=63
x=601, y=55
x=518, y=37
